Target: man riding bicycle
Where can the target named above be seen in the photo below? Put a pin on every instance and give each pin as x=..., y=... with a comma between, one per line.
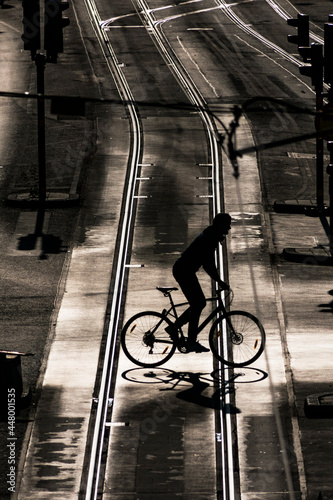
x=201, y=252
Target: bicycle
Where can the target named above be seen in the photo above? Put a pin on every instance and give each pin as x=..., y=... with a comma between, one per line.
x=236, y=338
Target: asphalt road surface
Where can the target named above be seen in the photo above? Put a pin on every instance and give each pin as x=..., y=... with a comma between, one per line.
x=225, y=53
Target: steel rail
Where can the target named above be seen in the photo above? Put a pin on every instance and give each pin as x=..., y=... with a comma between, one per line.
x=230, y=14
x=155, y=28
x=94, y=468
x=227, y=10
x=284, y=14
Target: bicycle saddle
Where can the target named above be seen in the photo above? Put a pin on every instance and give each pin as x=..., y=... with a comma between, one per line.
x=166, y=289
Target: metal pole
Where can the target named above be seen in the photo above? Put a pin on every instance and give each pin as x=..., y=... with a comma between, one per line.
x=320, y=173
x=330, y=189
x=40, y=66
x=320, y=142
x=330, y=173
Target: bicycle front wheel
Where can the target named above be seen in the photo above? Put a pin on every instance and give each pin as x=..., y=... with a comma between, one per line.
x=237, y=339
x=145, y=341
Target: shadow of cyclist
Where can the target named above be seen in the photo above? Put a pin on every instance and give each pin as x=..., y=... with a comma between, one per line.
x=195, y=394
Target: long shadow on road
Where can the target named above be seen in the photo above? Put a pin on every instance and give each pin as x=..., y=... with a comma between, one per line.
x=195, y=384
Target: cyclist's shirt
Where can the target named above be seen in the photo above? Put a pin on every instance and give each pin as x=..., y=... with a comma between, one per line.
x=201, y=252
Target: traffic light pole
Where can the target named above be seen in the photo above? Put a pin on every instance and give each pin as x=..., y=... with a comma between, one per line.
x=320, y=173
x=314, y=56
x=330, y=189
x=319, y=88
x=40, y=61
x=328, y=78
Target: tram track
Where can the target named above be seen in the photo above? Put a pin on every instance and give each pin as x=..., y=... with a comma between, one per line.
x=155, y=29
x=278, y=9
x=125, y=226
x=224, y=423
x=285, y=15
x=103, y=401
x=228, y=12
x=224, y=426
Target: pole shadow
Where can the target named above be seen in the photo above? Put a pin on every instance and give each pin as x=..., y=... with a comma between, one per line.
x=49, y=244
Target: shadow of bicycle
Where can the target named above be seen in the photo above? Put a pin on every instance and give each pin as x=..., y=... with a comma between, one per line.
x=202, y=389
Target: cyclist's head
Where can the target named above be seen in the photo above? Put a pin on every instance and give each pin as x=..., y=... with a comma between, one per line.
x=222, y=223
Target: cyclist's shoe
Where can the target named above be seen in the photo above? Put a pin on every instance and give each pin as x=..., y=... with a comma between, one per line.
x=172, y=331
x=195, y=347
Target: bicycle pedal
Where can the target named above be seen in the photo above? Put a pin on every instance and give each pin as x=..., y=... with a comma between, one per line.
x=182, y=349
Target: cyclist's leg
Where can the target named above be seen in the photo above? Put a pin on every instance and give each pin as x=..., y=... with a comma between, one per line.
x=197, y=303
x=191, y=288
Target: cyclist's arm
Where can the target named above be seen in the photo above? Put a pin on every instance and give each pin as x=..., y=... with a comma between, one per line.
x=210, y=268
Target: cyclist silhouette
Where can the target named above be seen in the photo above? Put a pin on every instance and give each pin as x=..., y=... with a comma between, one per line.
x=201, y=252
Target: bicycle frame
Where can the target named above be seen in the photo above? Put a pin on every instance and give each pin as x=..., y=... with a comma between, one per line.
x=236, y=338
x=219, y=309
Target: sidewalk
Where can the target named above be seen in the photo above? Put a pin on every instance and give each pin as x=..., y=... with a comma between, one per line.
x=29, y=285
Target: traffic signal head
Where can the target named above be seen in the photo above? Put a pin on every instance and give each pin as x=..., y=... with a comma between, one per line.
x=314, y=55
x=31, y=26
x=302, y=25
x=54, y=24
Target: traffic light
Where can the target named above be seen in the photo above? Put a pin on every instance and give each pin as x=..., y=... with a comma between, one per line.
x=302, y=25
x=31, y=26
x=54, y=24
x=328, y=53
x=314, y=69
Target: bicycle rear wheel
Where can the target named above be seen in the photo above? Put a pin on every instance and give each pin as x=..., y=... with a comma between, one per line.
x=244, y=335
x=145, y=341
